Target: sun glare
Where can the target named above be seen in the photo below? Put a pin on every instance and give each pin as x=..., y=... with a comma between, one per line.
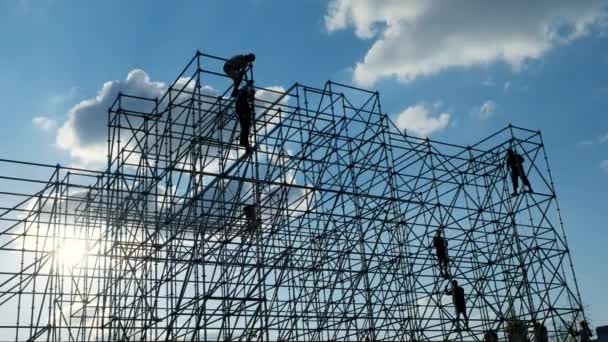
x=71, y=252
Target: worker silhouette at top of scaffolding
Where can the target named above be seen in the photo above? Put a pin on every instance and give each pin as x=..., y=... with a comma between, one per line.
x=236, y=67
x=245, y=113
x=457, y=293
x=514, y=161
x=441, y=249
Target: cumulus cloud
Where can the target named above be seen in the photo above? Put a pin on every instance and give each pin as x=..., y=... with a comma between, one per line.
x=485, y=111
x=84, y=132
x=419, y=120
x=422, y=37
x=44, y=123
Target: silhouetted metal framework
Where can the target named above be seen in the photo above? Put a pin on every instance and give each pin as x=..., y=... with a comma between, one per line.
x=157, y=246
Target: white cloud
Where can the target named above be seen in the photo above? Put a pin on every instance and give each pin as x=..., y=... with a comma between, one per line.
x=44, y=123
x=604, y=165
x=422, y=37
x=603, y=138
x=485, y=111
x=84, y=132
x=419, y=120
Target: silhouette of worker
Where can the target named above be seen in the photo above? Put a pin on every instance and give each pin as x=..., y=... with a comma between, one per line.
x=250, y=212
x=245, y=112
x=514, y=162
x=457, y=293
x=490, y=336
x=540, y=332
x=441, y=249
x=585, y=334
x=236, y=67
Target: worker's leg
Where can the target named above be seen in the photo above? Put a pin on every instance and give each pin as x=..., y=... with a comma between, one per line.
x=457, y=319
x=524, y=178
x=445, y=266
x=244, y=137
x=466, y=317
x=441, y=259
x=244, y=116
x=514, y=179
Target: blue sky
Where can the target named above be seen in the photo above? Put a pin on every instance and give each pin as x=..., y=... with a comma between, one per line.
x=457, y=74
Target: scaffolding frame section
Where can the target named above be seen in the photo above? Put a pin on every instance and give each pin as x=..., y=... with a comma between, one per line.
x=322, y=233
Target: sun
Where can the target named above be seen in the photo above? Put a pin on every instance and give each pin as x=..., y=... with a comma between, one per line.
x=71, y=252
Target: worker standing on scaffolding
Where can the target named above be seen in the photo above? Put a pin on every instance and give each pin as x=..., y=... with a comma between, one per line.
x=236, y=67
x=245, y=112
x=441, y=249
x=514, y=161
x=457, y=293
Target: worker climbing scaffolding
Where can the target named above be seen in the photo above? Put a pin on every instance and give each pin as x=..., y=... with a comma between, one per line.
x=236, y=67
x=441, y=250
x=251, y=221
x=514, y=161
x=457, y=293
x=245, y=113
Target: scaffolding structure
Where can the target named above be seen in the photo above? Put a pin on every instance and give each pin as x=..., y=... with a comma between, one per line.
x=336, y=243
